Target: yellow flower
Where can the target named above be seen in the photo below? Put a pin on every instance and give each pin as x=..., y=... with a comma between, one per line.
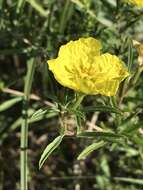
x=136, y=2
x=80, y=66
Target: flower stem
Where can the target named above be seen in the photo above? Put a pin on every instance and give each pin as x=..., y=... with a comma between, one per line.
x=76, y=105
x=24, y=125
x=78, y=101
x=67, y=12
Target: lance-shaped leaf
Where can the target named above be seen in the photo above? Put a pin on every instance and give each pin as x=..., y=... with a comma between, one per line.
x=90, y=149
x=101, y=109
x=49, y=149
x=9, y=103
x=99, y=134
x=129, y=180
x=42, y=113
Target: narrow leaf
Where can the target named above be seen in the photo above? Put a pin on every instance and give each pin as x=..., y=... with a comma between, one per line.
x=49, y=149
x=43, y=112
x=38, y=8
x=130, y=180
x=9, y=103
x=137, y=140
x=20, y=5
x=90, y=149
x=99, y=134
x=43, y=116
x=40, y=112
x=101, y=109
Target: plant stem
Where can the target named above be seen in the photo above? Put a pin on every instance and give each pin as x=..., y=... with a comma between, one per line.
x=20, y=5
x=76, y=105
x=78, y=101
x=114, y=104
x=24, y=126
x=67, y=12
x=137, y=75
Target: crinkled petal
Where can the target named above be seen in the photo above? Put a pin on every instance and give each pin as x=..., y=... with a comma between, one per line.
x=111, y=66
x=80, y=47
x=81, y=68
x=60, y=73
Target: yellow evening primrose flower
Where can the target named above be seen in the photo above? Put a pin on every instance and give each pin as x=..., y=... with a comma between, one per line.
x=136, y=2
x=81, y=67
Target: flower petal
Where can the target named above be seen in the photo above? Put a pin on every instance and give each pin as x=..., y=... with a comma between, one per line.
x=80, y=66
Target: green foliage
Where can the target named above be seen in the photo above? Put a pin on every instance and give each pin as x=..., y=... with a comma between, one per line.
x=9, y=103
x=49, y=149
x=101, y=108
x=90, y=148
x=31, y=32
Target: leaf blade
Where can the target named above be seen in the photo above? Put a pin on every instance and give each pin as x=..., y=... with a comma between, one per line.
x=49, y=149
x=9, y=103
x=90, y=149
x=99, y=134
x=101, y=109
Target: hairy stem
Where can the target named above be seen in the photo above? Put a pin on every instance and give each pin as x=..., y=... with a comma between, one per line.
x=24, y=126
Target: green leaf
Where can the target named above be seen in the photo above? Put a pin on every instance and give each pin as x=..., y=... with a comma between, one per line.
x=42, y=112
x=41, y=117
x=130, y=180
x=20, y=5
x=114, y=140
x=99, y=134
x=112, y=2
x=49, y=149
x=129, y=129
x=9, y=103
x=101, y=109
x=39, y=112
x=38, y=8
x=90, y=149
x=17, y=123
x=137, y=140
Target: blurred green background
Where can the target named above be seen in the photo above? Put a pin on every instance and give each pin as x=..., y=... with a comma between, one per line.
x=36, y=29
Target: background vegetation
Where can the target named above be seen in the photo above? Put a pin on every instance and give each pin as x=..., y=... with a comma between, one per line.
x=33, y=30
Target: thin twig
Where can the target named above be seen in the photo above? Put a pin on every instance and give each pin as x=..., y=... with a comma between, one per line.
x=72, y=178
x=32, y=96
